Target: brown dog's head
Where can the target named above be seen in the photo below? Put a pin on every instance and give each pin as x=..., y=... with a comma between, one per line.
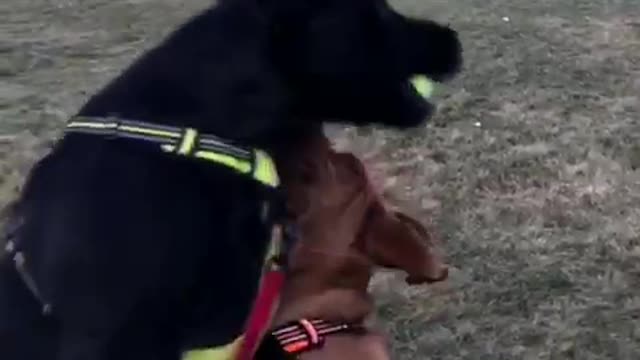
x=339, y=212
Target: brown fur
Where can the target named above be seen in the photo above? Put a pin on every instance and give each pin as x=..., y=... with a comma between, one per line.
x=345, y=232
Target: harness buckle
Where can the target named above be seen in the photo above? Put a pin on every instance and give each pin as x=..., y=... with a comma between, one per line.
x=188, y=142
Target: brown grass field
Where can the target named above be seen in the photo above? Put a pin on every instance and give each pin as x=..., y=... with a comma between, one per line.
x=530, y=172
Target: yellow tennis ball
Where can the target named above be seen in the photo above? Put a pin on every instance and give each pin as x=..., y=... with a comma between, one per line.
x=423, y=85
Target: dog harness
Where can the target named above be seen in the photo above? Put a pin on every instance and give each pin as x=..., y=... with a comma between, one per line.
x=189, y=142
x=252, y=162
x=185, y=142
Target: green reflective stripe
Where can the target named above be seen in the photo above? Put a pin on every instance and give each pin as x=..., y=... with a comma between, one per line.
x=265, y=169
x=147, y=131
x=242, y=166
x=226, y=352
x=186, y=142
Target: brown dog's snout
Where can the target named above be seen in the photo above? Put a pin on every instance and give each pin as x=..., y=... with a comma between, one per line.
x=396, y=240
x=429, y=279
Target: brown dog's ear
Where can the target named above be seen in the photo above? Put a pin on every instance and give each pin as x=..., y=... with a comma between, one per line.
x=300, y=171
x=396, y=240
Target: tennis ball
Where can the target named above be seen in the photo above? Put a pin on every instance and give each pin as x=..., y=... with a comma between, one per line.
x=423, y=85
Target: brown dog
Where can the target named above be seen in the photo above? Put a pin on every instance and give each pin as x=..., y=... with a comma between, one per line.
x=344, y=232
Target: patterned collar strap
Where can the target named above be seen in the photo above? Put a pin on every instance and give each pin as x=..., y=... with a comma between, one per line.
x=306, y=335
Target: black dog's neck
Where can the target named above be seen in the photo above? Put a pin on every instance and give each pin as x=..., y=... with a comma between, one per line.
x=213, y=74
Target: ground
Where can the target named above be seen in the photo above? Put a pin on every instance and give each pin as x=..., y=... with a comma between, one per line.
x=530, y=172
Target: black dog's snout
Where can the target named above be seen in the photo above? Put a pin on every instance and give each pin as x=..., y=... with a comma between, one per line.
x=432, y=49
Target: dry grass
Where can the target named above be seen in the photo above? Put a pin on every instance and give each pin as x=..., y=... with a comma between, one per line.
x=531, y=171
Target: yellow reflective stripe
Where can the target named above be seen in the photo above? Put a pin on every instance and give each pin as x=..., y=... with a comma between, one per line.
x=230, y=161
x=226, y=352
x=235, y=163
x=265, y=169
x=188, y=141
x=77, y=124
x=147, y=131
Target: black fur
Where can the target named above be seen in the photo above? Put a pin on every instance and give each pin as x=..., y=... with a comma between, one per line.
x=144, y=255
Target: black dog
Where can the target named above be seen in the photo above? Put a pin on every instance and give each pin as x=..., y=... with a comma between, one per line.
x=136, y=253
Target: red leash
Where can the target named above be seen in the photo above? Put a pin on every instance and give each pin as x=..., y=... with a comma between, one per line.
x=267, y=300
